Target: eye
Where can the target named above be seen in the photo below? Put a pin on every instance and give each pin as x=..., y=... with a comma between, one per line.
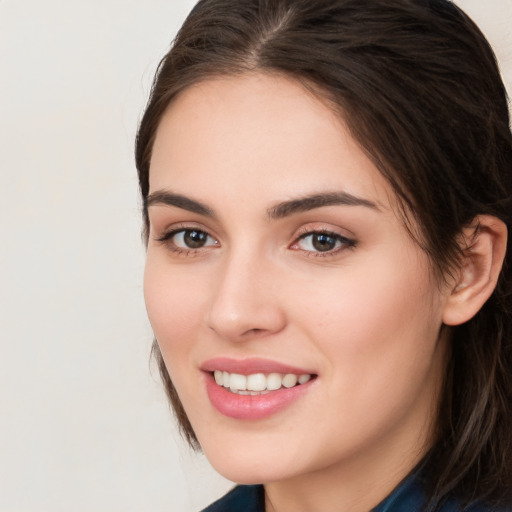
x=192, y=239
x=188, y=239
x=322, y=242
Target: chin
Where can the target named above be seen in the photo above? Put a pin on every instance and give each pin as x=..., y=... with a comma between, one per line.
x=243, y=472
x=249, y=464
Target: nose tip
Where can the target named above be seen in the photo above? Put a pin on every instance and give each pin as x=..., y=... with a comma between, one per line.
x=245, y=305
x=251, y=323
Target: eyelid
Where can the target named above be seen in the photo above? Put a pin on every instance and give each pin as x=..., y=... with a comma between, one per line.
x=166, y=238
x=347, y=242
x=324, y=227
x=171, y=229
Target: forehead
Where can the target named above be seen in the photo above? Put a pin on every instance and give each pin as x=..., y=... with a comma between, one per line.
x=258, y=133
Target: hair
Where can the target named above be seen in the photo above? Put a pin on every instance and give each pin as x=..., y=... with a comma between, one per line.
x=419, y=88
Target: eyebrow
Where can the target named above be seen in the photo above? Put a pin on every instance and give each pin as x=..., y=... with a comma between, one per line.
x=311, y=202
x=279, y=211
x=163, y=197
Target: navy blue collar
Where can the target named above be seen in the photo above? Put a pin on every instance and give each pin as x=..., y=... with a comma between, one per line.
x=409, y=496
x=243, y=498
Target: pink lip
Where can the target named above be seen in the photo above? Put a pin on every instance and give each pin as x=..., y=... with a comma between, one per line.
x=251, y=407
x=253, y=365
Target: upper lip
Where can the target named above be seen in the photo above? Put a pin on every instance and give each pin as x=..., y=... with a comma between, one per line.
x=251, y=366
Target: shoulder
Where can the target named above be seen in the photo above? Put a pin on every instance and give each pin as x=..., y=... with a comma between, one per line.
x=249, y=498
x=410, y=496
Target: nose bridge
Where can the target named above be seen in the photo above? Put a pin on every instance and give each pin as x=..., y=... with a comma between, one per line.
x=244, y=301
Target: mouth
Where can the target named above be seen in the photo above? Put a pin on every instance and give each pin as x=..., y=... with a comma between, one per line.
x=258, y=383
x=254, y=389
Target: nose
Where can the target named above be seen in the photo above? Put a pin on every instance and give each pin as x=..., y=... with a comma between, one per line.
x=245, y=301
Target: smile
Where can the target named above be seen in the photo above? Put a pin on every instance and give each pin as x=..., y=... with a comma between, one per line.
x=258, y=383
x=255, y=389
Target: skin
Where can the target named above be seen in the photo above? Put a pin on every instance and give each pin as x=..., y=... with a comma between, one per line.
x=365, y=317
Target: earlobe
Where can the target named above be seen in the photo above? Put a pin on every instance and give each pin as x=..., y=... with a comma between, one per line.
x=485, y=243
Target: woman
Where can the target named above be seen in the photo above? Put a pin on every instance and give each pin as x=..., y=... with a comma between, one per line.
x=327, y=191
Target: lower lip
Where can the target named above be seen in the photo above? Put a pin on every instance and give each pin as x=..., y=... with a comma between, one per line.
x=252, y=407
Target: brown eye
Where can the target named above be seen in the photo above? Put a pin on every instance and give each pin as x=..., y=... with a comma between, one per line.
x=319, y=242
x=194, y=239
x=322, y=242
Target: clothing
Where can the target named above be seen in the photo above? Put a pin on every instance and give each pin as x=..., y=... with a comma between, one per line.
x=243, y=498
x=407, y=497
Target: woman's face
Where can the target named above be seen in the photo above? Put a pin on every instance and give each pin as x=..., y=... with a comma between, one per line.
x=275, y=250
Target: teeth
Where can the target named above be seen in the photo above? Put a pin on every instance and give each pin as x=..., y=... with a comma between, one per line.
x=289, y=380
x=304, y=378
x=237, y=382
x=274, y=381
x=219, y=377
x=258, y=383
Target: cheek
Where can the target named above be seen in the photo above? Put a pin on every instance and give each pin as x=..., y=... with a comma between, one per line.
x=174, y=306
x=378, y=323
x=174, y=302
x=378, y=333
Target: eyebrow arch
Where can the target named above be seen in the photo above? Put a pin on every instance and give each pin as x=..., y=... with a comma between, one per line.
x=311, y=202
x=163, y=197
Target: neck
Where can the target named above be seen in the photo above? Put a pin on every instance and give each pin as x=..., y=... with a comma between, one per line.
x=358, y=489
x=357, y=484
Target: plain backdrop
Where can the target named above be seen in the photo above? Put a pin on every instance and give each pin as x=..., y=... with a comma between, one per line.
x=84, y=425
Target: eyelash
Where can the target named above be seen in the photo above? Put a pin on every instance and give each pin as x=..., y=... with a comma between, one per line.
x=344, y=242
x=167, y=239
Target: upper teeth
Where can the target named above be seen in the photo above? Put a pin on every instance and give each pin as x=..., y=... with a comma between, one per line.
x=258, y=382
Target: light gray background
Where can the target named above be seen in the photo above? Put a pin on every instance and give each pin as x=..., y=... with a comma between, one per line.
x=84, y=425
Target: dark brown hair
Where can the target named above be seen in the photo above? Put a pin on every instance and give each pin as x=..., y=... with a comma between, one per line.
x=419, y=88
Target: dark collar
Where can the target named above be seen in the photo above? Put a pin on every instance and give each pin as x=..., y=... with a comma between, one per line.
x=408, y=496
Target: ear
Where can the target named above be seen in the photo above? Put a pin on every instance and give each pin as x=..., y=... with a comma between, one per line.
x=484, y=244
